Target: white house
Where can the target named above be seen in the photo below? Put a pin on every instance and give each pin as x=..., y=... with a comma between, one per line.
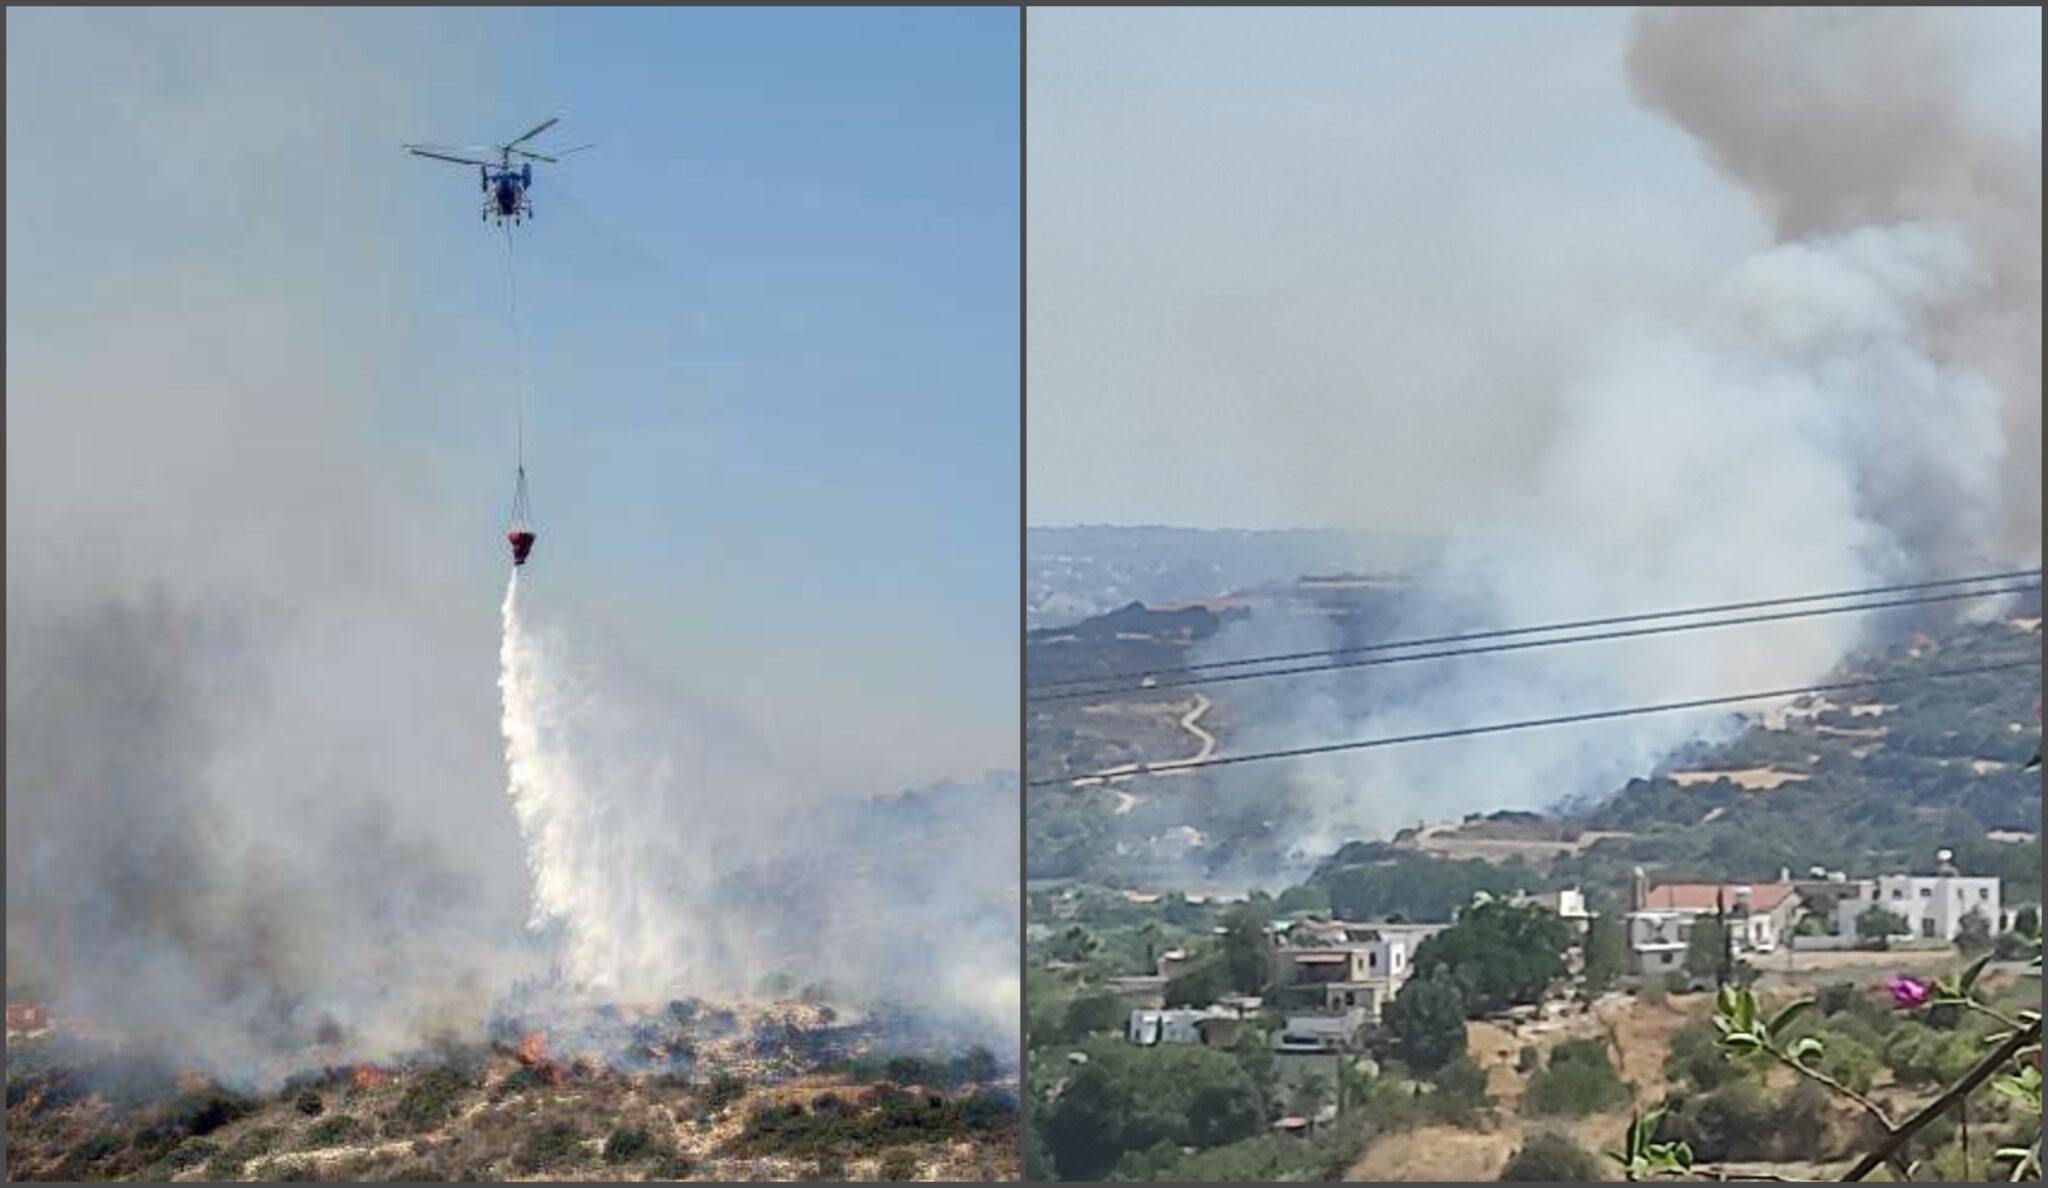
x=1353, y=969
x=1933, y=906
x=1759, y=917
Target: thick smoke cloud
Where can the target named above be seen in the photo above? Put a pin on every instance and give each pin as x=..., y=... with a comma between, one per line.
x=1835, y=119
x=1855, y=403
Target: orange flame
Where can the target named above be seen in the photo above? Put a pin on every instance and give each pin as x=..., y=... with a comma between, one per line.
x=367, y=1076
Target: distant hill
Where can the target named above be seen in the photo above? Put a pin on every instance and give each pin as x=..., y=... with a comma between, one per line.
x=1075, y=573
x=1865, y=785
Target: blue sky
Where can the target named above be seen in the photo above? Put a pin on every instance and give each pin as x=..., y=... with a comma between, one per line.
x=771, y=329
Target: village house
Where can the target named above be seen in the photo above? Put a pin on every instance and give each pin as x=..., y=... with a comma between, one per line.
x=1933, y=907
x=1345, y=971
x=1759, y=917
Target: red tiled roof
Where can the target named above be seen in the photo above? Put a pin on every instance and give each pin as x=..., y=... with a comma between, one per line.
x=1703, y=897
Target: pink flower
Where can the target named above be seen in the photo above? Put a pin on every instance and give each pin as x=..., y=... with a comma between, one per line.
x=1907, y=993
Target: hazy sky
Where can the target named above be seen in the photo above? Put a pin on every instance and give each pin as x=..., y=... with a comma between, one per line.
x=1324, y=267
x=771, y=327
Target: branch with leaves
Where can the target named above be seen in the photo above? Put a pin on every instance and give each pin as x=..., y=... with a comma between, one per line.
x=1745, y=1033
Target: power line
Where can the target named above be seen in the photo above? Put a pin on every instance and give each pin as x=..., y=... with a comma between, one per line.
x=1528, y=724
x=1523, y=644
x=1573, y=625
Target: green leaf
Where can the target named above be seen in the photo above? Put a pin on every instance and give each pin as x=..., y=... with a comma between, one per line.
x=1969, y=978
x=1741, y=1042
x=1784, y=1018
x=1807, y=1046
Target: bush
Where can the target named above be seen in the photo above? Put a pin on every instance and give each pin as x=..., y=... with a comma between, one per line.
x=1579, y=1080
x=207, y=1110
x=431, y=1098
x=899, y=1166
x=724, y=1090
x=1973, y=933
x=330, y=1131
x=309, y=1104
x=624, y=1145
x=672, y=1166
x=1849, y=1061
x=1696, y=1058
x=554, y=1146
x=1548, y=1158
x=1459, y=1095
x=1736, y=1121
x=192, y=1153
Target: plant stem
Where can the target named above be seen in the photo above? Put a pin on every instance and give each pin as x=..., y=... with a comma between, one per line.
x=2031, y=1034
x=1876, y=1110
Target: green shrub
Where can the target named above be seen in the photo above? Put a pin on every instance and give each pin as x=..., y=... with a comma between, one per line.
x=1547, y=1158
x=1459, y=1093
x=1849, y=1061
x=192, y=1153
x=309, y=1104
x=1579, y=1080
x=432, y=1098
x=899, y=1166
x=624, y=1145
x=551, y=1148
x=330, y=1131
x=724, y=1090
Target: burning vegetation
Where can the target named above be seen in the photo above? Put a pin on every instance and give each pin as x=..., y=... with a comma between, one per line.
x=684, y=1090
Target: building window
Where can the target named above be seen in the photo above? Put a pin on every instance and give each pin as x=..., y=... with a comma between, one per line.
x=1372, y=960
x=1927, y=893
x=1984, y=893
x=1898, y=893
x=1927, y=927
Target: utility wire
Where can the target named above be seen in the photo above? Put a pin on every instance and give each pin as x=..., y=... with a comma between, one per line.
x=1574, y=625
x=1515, y=646
x=1527, y=724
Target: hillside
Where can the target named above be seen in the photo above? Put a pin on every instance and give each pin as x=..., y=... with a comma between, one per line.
x=1844, y=786
x=693, y=1092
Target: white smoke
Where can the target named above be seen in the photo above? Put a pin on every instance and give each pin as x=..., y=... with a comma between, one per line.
x=1855, y=404
x=671, y=857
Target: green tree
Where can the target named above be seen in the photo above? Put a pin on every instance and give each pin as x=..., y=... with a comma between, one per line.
x=1129, y=1099
x=1606, y=953
x=1876, y=926
x=1706, y=947
x=1247, y=953
x=1076, y=944
x=2027, y=921
x=1499, y=954
x=1200, y=984
x=1973, y=933
x=1427, y=1021
x=1096, y=1012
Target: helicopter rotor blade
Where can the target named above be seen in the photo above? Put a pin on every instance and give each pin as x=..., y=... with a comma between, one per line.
x=535, y=156
x=536, y=131
x=418, y=150
x=579, y=148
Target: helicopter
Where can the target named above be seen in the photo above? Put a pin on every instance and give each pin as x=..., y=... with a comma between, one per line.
x=507, y=188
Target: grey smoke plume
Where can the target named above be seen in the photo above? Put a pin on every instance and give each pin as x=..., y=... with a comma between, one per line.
x=1835, y=119
x=1856, y=403
x=255, y=782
